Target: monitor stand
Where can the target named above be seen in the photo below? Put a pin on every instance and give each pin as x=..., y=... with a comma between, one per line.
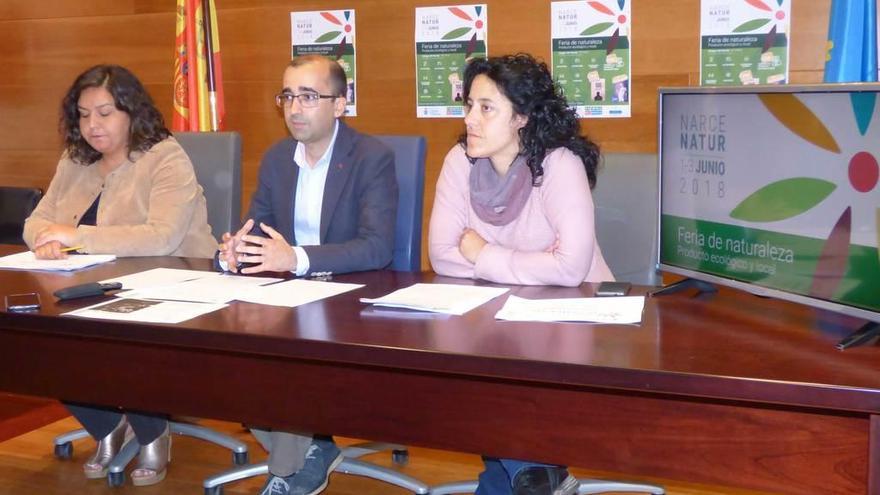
x=861, y=336
x=688, y=283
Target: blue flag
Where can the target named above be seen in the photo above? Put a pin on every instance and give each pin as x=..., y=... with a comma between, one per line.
x=852, y=41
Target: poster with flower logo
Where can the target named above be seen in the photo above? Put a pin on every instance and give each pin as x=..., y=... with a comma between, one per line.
x=744, y=42
x=329, y=33
x=446, y=38
x=776, y=189
x=590, y=44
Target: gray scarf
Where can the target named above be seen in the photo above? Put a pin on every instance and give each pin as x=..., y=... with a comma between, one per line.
x=498, y=200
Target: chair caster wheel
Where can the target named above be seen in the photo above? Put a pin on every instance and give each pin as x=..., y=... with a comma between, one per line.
x=217, y=490
x=115, y=479
x=400, y=457
x=64, y=451
x=239, y=459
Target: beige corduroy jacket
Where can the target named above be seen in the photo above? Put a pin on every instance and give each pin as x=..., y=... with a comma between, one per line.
x=151, y=205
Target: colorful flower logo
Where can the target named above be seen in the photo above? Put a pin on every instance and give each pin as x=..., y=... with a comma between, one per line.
x=776, y=16
x=790, y=197
x=476, y=26
x=344, y=31
x=619, y=19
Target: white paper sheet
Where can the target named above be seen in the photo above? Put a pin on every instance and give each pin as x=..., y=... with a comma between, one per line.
x=217, y=290
x=294, y=293
x=158, y=277
x=27, y=261
x=439, y=298
x=145, y=311
x=588, y=309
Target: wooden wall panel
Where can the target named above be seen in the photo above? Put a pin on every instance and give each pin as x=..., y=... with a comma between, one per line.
x=28, y=120
x=43, y=45
x=49, y=53
x=28, y=168
x=809, y=39
x=55, y=9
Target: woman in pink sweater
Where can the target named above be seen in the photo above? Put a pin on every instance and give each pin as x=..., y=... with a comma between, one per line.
x=513, y=206
x=513, y=202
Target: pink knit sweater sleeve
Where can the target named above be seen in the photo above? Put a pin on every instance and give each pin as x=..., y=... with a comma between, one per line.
x=568, y=207
x=449, y=217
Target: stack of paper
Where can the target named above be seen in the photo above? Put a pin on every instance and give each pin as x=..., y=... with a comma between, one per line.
x=439, y=298
x=592, y=309
x=168, y=295
x=27, y=261
x=146, y=311
x=294, y=293
x=158, y=277
x=209, y=289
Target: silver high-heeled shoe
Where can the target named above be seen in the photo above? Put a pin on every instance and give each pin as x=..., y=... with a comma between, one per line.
x=97, y=465
x=153, y=460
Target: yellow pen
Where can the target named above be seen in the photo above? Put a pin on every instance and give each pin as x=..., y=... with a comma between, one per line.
x=71, y=248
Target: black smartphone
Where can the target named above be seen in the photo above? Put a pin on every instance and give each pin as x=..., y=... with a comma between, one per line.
x=613, y=289
x=23, y=303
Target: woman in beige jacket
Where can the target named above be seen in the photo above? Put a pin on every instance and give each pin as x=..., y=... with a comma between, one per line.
x=123, y=186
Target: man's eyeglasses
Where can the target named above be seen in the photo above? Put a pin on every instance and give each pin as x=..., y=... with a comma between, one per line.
x=306, y=100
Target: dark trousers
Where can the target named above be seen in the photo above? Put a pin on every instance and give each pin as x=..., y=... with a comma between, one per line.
x=100, y=421
x=498, y=475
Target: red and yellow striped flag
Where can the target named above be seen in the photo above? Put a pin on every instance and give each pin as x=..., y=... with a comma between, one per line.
x=198, y=80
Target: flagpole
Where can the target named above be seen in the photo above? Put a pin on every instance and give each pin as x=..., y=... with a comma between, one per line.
x=192, y=63
x=209, y=62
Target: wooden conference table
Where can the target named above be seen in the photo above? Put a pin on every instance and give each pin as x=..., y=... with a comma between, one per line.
x=729, y=389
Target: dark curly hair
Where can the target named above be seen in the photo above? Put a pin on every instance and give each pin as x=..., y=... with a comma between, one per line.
x=527, y=83
x=147, y=125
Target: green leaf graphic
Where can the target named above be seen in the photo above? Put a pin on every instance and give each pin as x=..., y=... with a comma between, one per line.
x=328, y=36
x=596, y=28
x=750, y=25
x=783, y=199
x=878, y=232
x=456, y=33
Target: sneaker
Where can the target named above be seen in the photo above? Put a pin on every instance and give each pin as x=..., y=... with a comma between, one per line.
x=277, y=485
x=321, y=459
x=542, y=480
x=569, y=486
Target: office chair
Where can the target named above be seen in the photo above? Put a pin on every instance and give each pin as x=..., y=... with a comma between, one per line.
x=626, y=216
x=409, y=159
x=16, y=204
x=411, y=192
x=625, y=200
x=216, y=158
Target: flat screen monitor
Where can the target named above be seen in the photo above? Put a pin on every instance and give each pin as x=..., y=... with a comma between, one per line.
x=774, y=190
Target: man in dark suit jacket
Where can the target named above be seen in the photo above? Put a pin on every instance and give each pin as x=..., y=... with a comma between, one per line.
x=326, y=202
x=358, y=202
x=358, y=209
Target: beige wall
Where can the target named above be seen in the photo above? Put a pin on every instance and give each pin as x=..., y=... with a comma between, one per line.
x=44, y=44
